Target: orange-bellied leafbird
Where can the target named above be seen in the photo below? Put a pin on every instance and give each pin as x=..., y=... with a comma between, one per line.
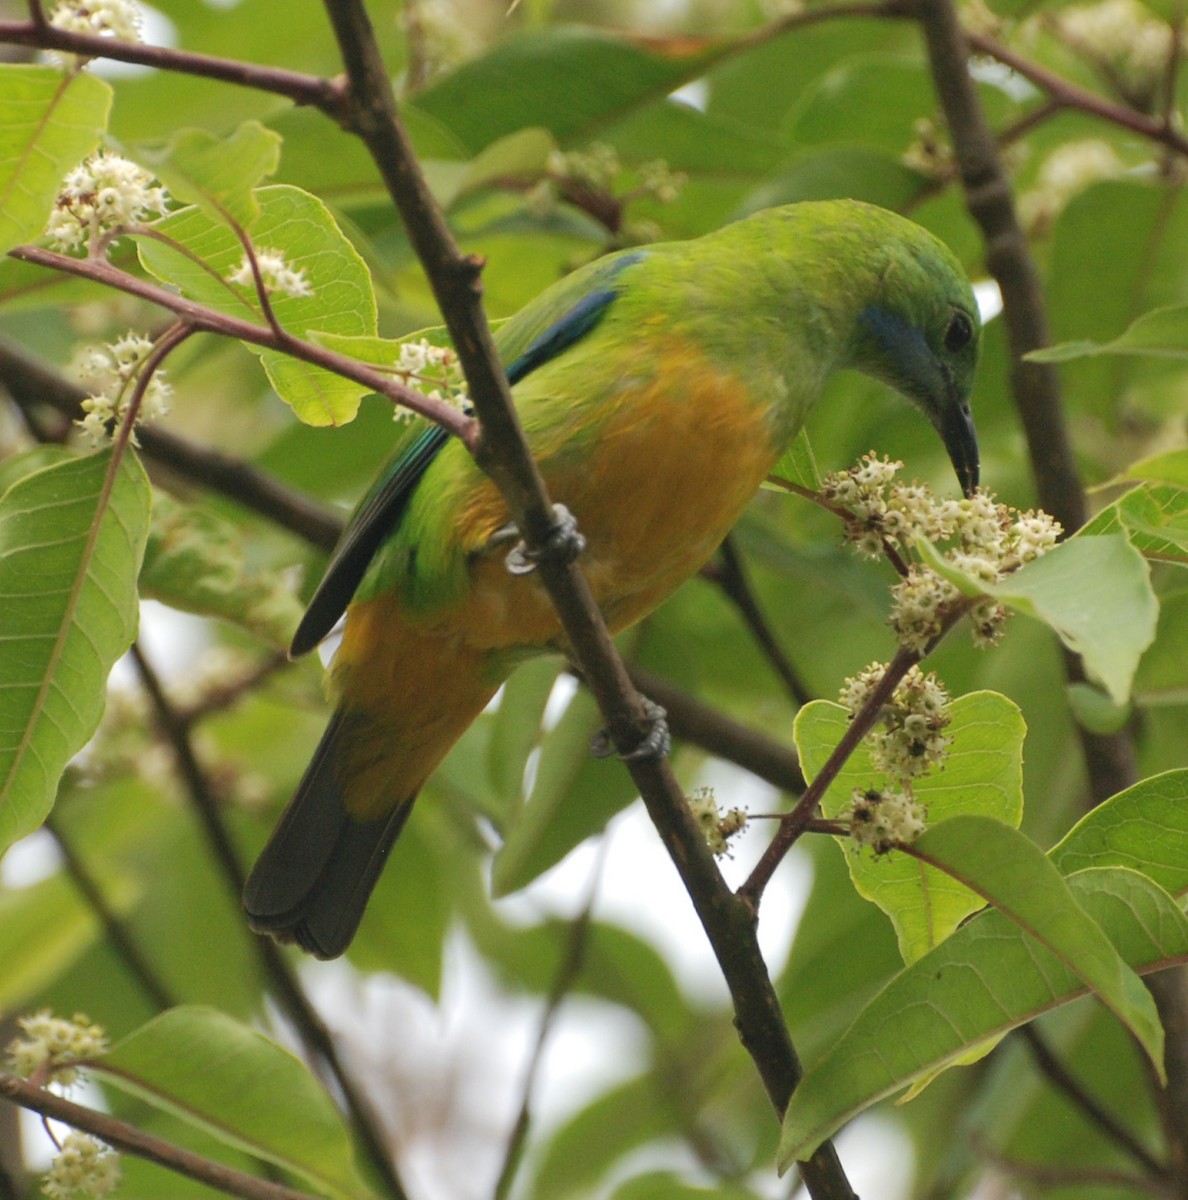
x=657, y=388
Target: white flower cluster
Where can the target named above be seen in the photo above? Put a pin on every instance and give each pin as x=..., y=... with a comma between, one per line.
x=910, y=740
x=99, y=18
x=1069, y=169
x=442, y=37
x=884, y=820
x=983, y=538
x=83, y=1166
x=597, y=167
x=52, y=1045
x=275, y=274
x=717, y=827
x=929, y=152
x=1125, y=38
x=434, y=372
x=110, y=373
x=106, y=192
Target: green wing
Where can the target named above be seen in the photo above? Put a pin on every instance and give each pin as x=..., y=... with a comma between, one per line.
x=547, y=327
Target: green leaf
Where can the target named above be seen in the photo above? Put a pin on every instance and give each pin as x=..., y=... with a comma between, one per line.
x=69, y=554
x=1144, y=828
x=798, y=465
x=983, y=774
x=1171, y=467
x=988, y=978
x=1010, y=871
x=49, y=122
x=194, y=562
x=523, y=155
x=301, y=227
x=1095, y=711
x=219, y=175
x=1161, y=333
x=1154, y=516
x=571, y=80
x=240, y=1087
x=573, y=796
x=1095, y=592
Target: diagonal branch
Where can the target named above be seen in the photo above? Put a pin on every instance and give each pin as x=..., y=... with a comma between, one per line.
x=32, y=384
x=502, y=452
x=132, y=1140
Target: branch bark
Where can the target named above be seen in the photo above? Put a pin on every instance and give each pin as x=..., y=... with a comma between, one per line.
x=131, y=1140
x=502, y=452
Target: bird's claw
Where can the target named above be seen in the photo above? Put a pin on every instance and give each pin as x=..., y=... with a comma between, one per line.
x=564, y=544
x=655, y=744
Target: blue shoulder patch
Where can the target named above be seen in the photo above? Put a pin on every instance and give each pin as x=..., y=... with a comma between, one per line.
x=572, y=327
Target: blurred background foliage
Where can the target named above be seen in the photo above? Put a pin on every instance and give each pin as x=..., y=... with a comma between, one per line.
x=552, y=133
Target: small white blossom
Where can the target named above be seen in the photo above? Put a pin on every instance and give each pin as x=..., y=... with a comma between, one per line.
x=275, y=274
x=50, y=1046
x=884, y=820
x=919, y=603
x=95, y=18
x=104, y=193
x=658, y=179
x=434, y=372
x=717, y=827
x=110, y=373
x=1123, y=36
x=983, y=538
x=1069, y=169
x=909, y=740
x=84, y=1166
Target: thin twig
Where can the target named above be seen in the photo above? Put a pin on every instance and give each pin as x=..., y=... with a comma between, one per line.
x=201, y=318
x=1060, y=1077
x=692, y=720
x=118, y=935
x=795, y=822
x=574, y=956
x=309, y=1025
x=502, y=452
x=1070, y=95
x=132, y=1140
x=301, y=89
x=732, y=579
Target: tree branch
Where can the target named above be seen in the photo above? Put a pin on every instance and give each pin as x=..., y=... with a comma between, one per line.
x=131, y=1140
x=312, y=90
x=502, y=452
x=31, y=385
x=308, y=1024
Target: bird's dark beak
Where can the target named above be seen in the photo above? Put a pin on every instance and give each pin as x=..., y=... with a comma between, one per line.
x=961, y=441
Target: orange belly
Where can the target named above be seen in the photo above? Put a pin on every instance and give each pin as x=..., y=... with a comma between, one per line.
x=666, y=479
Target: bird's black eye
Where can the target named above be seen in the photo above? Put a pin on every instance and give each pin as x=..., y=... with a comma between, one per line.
x=959, y=333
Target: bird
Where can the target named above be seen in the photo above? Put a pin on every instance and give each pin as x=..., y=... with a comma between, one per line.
x=657, y=387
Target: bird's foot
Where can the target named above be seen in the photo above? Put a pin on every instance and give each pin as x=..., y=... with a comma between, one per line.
x=656, y=743
x=564, y=544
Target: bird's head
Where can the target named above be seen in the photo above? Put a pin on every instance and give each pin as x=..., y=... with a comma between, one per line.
x=920, y=333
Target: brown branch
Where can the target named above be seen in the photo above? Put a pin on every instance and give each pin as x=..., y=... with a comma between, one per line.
x=117, y=932
x=1070, y=95
x=200, y=318
x=311, y=90
x=131, y=1140
x=502, y=452
x=308, y=1024
x=732, y=579
x=32, y=384
x=796, y=822
x=1035, y=387
x=1059, y=1076
x=692, y=720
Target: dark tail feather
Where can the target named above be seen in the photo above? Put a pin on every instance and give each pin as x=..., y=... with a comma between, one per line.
x=312, y=881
